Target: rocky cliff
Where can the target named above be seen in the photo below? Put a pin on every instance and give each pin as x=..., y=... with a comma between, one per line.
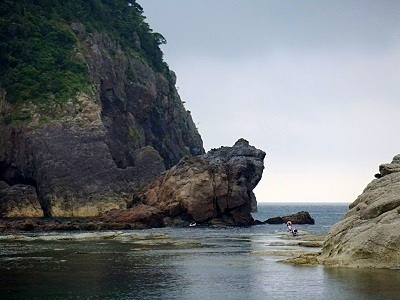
x=215, y=188
x=369, y=234
x=89, y=153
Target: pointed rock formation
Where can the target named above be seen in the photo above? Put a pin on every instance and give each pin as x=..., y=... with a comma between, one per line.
x=216, y=187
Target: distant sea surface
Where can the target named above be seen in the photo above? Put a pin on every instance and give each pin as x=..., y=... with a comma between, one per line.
x=184, y=263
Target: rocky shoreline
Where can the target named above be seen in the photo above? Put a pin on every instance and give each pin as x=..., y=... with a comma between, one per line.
x=64, y=224
x=215, y=188
x=116, y=220
x=93, y=224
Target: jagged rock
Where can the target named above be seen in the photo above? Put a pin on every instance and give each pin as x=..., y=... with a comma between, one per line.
x=218, y=184
x=19, y=201
x=95, y=154
x=302, y=217
x=393, y=167
x=369, y=234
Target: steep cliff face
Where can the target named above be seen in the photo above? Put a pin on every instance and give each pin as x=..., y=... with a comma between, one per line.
x=87, y=155
x=369, y=234
x=138, y=105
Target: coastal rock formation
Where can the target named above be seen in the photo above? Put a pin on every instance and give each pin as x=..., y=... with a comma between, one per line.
x=89, y=155
x=19, y=201
x=216, y=187
x=73, y=170
x=369, y=234
x=302, y=217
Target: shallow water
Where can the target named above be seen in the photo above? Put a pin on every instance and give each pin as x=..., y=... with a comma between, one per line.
x=168, y=263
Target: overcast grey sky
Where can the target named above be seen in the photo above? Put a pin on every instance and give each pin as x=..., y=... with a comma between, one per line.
x=315, y=84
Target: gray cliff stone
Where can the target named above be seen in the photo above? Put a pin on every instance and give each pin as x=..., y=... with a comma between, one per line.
x=216, y=187
x=369, y=234
x=95, y=154
x=393, y=167
x=139, y=106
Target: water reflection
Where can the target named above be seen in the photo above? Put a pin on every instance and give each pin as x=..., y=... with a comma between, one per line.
x=364, y=283
x=179, y=264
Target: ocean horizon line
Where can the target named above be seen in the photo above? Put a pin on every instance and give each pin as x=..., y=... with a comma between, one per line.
x=302, y=203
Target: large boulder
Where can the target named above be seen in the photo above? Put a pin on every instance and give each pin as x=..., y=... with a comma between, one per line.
x=302, y=217
x=19, y=201
x=369, y=234
x=217, y=185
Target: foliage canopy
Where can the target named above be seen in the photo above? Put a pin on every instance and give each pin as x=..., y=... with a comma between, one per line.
x=38, y=59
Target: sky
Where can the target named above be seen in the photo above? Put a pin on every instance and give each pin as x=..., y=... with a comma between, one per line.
x=315, y=84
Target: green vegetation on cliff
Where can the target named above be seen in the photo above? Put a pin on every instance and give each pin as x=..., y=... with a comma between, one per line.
x=38, y=60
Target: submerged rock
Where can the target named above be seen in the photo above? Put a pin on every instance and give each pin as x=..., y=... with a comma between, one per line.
x=369, y=234
x=217, y=186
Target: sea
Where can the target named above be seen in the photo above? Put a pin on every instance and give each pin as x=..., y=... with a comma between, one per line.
x=186, y=263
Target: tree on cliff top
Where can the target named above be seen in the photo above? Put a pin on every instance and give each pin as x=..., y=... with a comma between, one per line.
x=38, y=59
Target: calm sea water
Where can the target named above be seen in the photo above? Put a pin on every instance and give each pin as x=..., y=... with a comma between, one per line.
x=184, y=263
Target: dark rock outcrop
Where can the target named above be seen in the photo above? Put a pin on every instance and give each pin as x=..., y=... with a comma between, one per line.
x=64, y=224
x=216, y=187
x=369, y=234
x=275, y=220
x=302, y=217
x=95, y=153
x=19, y=201
x=142, y=216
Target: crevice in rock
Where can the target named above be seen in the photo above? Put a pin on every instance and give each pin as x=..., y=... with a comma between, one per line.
x=12, y=175
x=117, y=136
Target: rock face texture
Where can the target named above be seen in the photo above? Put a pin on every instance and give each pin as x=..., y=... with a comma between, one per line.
x=19, y=201
x=216, y=187
x=369, y=234
x=100, y=150
x=143, y=216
